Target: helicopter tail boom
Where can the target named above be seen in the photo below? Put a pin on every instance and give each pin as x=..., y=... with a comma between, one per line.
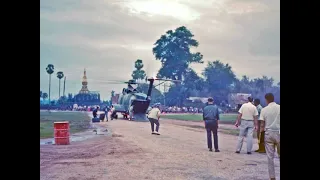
x=140, y=108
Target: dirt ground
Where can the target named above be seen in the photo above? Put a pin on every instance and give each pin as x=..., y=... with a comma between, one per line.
x=180, y=152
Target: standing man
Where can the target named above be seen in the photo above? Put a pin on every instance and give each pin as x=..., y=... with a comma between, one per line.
x=260, y=134
x=247, y=119
x=154, y=116
x=106, y=111
x=211, y=121
x=270, y=122
x=113, y=112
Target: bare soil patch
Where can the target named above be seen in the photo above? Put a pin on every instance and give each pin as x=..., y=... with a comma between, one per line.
x=180, y=152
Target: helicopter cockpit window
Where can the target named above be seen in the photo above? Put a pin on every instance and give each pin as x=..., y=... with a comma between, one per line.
x=134, y=86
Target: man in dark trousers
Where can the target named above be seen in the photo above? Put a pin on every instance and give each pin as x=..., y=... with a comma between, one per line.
x=154, y=117
x=95, y=112
x=211, y=120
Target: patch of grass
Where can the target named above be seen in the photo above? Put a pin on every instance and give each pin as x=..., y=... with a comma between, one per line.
x=78, y=122
x=224, y=118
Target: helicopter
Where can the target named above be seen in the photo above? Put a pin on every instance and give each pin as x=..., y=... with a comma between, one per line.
x=137, y=102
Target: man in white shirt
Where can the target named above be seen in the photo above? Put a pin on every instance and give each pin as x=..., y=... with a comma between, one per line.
x=270, y=123
x=247, y=119
x=154, y=116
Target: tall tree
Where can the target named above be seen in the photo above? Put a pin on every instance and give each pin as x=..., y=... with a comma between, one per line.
x=176, y=95
x=50, y=70
x=192, y=81
x=40, y=93
x=60, y=75
x=138, y=73
x=219, y=79
x=173, y=49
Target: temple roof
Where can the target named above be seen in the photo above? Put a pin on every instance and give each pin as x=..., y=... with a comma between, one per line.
x=84, y=89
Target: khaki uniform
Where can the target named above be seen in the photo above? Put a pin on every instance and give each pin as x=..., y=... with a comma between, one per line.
x=271, y=116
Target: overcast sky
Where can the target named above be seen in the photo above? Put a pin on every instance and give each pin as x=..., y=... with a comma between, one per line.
x=107, y=36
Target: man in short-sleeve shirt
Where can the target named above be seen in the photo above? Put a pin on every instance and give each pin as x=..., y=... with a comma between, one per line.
x=211, y=120
x=270, y=123
x=247, y=119
x=154, y=116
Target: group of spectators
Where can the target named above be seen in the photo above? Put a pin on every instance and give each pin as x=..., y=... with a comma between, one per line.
x=176, y=109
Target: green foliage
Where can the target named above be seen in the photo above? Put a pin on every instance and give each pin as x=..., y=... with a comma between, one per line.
x=156, y=95
x=219, y=78
x=44, y=95
x=62, y=100
x=173, y=50
x=176, y=95
x=78, y=122
x=60, y=75
x=139, y=73
x=50, y=69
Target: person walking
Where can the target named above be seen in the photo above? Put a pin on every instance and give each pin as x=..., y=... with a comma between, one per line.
x=95, y=112
x=211, y=121
x=260, y=134
x=154, y=117
x=270, y=123
x=247, y=119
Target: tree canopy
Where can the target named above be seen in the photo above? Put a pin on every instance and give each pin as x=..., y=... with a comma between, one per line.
x=173, y=49
x=138, y=73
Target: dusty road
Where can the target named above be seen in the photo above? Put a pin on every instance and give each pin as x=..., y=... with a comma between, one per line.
x=133, y=153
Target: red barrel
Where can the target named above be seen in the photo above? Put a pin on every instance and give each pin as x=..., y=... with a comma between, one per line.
x=61, y=133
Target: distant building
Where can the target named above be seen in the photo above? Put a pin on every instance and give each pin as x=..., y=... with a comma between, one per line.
x=86, y=97
x=115, y=99
x=235, y=99
x=194, y=99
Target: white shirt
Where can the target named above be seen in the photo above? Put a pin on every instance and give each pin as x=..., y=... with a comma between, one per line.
x=153, y=113
x=271, y=115
x=248, y=111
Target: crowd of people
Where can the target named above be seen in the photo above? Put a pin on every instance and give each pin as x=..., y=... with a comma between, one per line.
x=176, y=109
x=252, y=116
